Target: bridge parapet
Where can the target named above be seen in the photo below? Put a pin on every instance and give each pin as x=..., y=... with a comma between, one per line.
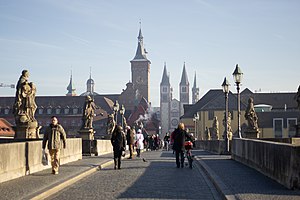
x=279, y=161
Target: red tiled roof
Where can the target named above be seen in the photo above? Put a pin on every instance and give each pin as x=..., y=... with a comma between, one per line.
x=6, y=128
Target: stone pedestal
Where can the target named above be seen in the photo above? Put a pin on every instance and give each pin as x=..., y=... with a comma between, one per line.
x=86, y=134
x=27, y=130
x=252, y=134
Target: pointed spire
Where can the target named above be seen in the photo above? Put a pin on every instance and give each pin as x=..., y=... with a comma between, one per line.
x=90, y=83
x=165, y=78
x=71, y=88
x=140, y=51
x=195, y=82
x=184, y=77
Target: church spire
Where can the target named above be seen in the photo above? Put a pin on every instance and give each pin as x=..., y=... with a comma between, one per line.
x=165, y=78
x=195, y=91
x=71, y=88
x=140, y=51
x=184, y=77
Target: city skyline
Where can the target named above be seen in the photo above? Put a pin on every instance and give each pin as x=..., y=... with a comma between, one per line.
x=53, y=38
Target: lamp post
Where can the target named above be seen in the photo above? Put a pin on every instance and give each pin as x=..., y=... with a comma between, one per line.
x=116, y=109
x=238, y=75
x=225, y=86
x=122, y=112
x=196, y=117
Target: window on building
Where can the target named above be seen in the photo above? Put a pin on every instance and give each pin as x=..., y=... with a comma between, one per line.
x=291, y=126
x=41, y=111
x=75, y=111
x=6, y=111
x=278, y=127
x=49, y=111
x=183, y=89
x=211, y=115
x=57, y=111
x=67, y=110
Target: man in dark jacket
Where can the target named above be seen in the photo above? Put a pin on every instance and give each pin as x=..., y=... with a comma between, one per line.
x=180, y=136
x=130, y=140
x=118, y=142
x=56, y=137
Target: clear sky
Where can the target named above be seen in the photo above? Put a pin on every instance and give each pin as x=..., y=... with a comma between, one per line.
x=52, y=37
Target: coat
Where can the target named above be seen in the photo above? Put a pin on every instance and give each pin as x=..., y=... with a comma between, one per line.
x=118, y=140
x=55, y=136
x=139, y=141
x=130, y=136
x=180, y=136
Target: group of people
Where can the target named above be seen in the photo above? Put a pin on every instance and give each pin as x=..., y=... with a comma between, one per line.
x=55, y=136
x=119, y=139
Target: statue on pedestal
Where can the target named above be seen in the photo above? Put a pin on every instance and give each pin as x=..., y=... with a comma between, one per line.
x=250, y=115
x=229, y=129
x=89, y=107
x=215, y=129
x=24, y=108
x=207, y=134
x=88, y=113
x=111, y=124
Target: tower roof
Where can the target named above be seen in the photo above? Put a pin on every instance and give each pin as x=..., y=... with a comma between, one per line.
x=140, y=54
x=184, y=77
x=165, y=78
x=71, y=88
x=195, y=84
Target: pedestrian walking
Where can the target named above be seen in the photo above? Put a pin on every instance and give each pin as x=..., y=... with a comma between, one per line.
x=118, y=142
x=180, y=135
x=130, y=134
x=139, y=142
x=55, y=135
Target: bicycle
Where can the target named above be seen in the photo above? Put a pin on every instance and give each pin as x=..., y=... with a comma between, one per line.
x=188, y=147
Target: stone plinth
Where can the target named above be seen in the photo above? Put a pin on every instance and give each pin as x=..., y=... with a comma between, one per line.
x=252, y=134
x=86, y=134
x=27, y=130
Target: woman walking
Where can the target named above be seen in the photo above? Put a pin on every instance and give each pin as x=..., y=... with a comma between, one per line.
x=118, y=143
x=139, y=142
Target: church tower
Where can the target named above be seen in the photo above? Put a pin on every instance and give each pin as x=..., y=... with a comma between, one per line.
x=195, y=91
x=184, y=88
x=165, y=101
x=71, y=88
x=140, y=69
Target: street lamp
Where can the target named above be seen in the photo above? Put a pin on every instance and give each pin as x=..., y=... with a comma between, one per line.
x=196, y=117
x=225, y=86
x=238, y=75
x=116, y=109
x=122, y=112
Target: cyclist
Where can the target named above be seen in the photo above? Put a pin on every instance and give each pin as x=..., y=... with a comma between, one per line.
x=180, y=136
x=189, y=144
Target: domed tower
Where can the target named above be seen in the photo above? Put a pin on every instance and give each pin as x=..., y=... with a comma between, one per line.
x=71, y=88
x=90, y=87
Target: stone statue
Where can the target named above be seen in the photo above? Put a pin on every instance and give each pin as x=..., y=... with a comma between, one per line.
x=207, y=134
x=24, y=108
x=88, y=113
x=297, y=98
x=229, y=129
x=215, y=129
x=111, y=124
x=251, y=117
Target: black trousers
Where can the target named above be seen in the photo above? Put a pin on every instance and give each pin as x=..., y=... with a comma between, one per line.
x=181, y=153
x=117, y=158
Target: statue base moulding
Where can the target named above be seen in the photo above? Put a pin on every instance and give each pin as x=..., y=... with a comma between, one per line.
x=27, y=130
x=86, y=134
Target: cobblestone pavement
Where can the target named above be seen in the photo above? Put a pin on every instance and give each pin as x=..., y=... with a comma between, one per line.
x=244, y=182
x=157, y=178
